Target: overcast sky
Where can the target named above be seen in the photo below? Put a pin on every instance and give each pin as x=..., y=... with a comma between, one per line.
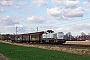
x=59, y=15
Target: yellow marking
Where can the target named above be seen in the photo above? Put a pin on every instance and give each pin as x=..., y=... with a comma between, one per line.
x=56, y=40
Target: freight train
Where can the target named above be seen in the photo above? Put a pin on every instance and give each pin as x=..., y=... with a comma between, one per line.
x=39, y=37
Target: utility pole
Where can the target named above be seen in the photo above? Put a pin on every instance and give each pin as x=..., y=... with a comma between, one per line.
x=16, y=32
x=37, y=29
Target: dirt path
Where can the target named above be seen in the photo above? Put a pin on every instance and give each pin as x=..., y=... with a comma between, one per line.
x=2, y=57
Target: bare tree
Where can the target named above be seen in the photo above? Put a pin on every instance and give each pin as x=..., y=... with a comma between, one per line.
x=68, y=36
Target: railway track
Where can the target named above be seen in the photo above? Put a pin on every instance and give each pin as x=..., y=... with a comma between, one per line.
x=77, y=46
x=70, y=44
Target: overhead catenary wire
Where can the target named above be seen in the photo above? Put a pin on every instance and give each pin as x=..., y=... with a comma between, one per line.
x=67, y=23
x=70, y=22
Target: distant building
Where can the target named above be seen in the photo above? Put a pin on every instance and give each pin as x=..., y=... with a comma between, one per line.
x=83, y=38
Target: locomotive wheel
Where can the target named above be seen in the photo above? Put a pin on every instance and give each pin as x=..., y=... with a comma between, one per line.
x=43, y=41
x=51, y=41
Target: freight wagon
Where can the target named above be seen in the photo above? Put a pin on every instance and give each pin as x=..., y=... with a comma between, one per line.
x=6, y=37
x=29, y=37
x=35, y=37
x=26, y=38
x=18, y=38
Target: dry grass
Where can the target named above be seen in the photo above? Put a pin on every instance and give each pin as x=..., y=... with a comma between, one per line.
x=78, y=42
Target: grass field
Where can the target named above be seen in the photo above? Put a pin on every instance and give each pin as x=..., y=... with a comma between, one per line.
x=13, y=52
